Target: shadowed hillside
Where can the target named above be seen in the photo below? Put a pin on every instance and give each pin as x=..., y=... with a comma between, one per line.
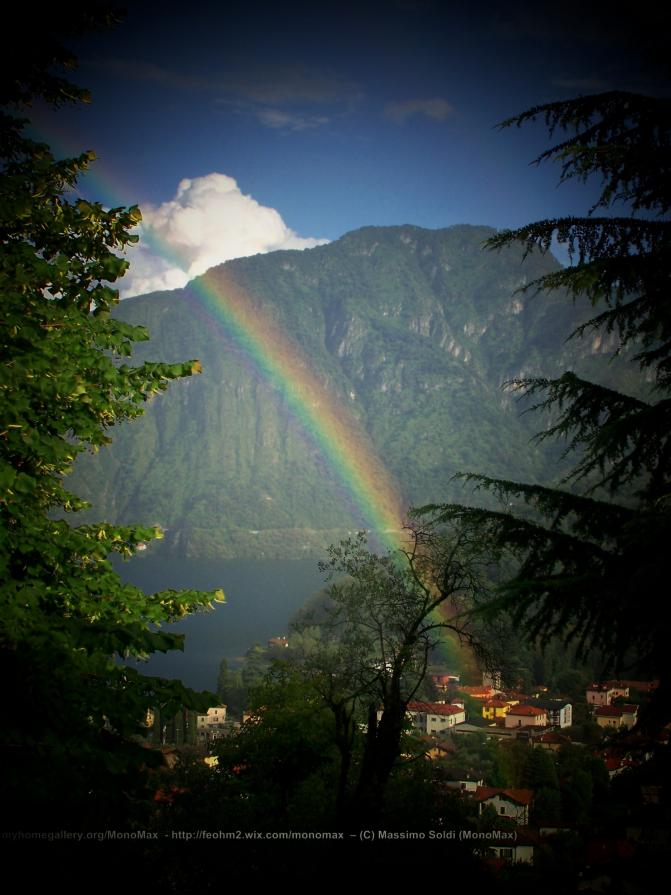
x=408, y=332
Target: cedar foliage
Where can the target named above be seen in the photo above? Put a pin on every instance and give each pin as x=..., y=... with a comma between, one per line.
x=591, y=555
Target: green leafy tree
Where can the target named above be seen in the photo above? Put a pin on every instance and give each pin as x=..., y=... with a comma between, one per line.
x=576, y=797
x=376, y=635
x=572, y=682
x=330, y=669
x=231, y=689
x=591, y=556
x=546, y=806
x=513, y=759
x=539, y=770
x=71, y=710
x=255, y=667
x=583, y=776
x=282, y=762
x=473, y=709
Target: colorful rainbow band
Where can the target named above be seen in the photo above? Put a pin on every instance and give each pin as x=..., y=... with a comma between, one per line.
x=340, y=438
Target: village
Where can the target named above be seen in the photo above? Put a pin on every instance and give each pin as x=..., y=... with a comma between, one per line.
x=537, y=773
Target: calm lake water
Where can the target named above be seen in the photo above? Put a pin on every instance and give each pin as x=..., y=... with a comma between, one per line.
x=261, y=597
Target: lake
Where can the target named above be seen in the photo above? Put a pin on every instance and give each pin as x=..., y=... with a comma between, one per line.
x=261, y=597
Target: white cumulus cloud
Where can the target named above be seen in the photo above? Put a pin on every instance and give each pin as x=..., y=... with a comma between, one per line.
x=208, y=221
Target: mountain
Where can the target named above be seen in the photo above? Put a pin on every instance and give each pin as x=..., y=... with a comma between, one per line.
x=391, y=343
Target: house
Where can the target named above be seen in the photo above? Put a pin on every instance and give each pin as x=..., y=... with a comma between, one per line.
x=526, y=716
x=553, y=741
x=434, y=717
x=641, y=686
x=514, y=853
x=481, y=692
x=437, y=751
x=608, y=716
x=559, y=711
x=495, y=708
x=211, y=726
x=278, y=642
x=492, y=679
x=464, y=781
x=599, y=694
x=443, y=682
x=620, y=689
x=495, y=731
x=616, y=715
x=616, y=764
x=521, y=851
x=511, y=803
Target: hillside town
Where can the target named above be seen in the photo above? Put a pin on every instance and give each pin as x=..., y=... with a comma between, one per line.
x=537, y=773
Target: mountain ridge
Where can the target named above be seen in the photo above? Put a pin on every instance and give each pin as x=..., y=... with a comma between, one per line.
x=410, y=331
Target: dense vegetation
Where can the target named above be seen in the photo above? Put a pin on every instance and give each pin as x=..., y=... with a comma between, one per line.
x=413, y=331
x=590, y=556
x=72, y=712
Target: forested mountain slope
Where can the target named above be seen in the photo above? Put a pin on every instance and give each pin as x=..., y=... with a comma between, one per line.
x=410, y=332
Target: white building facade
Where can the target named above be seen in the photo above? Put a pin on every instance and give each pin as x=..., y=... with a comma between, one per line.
x=212, y=725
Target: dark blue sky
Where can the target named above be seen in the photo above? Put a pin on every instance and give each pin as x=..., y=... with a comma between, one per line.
x=337, y=115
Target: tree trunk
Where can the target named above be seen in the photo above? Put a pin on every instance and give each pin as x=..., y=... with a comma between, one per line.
x=344, y=737
x=383, y=746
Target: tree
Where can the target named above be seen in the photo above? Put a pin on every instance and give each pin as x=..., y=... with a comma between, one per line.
x=539, y=770
x=284, y=758
x=231, y=689
x=71, y=709
x=591, y=555
x=370, y=652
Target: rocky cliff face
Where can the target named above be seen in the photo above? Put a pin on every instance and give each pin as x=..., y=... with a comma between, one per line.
x=411, y=331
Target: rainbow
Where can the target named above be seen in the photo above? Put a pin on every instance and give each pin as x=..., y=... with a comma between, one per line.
x=322, y=416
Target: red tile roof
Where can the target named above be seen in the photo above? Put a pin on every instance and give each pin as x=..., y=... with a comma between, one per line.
x=519, y=796
x=614, y=763
x=434, y=708
x=478, y=692
x=445, y=678
x=555, y=738
x=528, y=711
x=642, y=685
